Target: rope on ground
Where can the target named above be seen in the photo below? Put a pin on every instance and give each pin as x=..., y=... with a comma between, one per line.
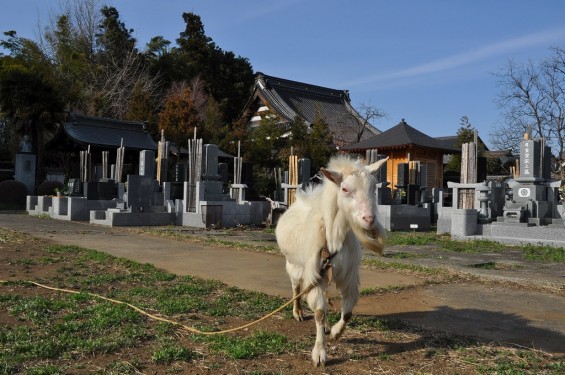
x=155, y=317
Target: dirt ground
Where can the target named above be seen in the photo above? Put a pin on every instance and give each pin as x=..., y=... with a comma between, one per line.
x=403, y=349
x=398, y=349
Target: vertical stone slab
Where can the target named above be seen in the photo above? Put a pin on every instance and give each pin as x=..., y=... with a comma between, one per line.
x=546, y=172
x=464, y=223
x=98, y=172
x=180, y=172
x=529, y=161
x=147, y=163
x=25, y=170
x=304, y=166
x=210, y=161
x=140, y=193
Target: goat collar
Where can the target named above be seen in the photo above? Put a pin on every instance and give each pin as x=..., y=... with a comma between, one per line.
x=326, y=267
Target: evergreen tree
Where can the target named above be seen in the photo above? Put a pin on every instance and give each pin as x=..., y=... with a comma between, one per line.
x=114, y=40
x=321, y=146
x=265, y=143
x=299, y=137
x=30, y=99
x=228, y=78
x=465, y=134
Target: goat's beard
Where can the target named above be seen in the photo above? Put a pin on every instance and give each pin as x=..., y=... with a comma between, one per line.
x=372, y=238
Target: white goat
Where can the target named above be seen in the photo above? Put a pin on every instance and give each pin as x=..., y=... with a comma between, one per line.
x=320, y=234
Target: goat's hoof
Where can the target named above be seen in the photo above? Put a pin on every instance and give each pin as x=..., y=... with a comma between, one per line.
x=319, y=356
x=336, y=332
x=298, y=315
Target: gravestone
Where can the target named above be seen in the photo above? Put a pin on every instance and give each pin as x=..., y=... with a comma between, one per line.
x=211, y=180
x=210, y=165
x=99, y=190
x=140, y=191
x=304, y=165
x=147, y=163
x=74, y=187
x=532, y=198
x=25, y=165
x=180, y=172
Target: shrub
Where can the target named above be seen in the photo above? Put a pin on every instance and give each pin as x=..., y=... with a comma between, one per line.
x=12, y=195
x=48, y=187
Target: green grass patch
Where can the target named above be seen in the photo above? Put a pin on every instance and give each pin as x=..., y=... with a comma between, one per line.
x=248, y=347
x=384, y=290
x=169, y=352
x=225, y=241
x=402, y=255
x=485, y=266
x=507, y=361
x=544, y=253
x=412, y=238
x=471, y=247
x=444, y=242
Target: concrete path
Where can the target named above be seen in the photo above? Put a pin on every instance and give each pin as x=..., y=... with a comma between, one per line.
x=521, y=316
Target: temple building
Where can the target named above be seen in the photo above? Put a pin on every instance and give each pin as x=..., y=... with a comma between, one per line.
x=404, y=144
x=78, y=133
x=288, y=99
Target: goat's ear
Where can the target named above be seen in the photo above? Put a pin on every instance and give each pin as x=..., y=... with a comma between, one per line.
x=334, y=177
x=376, y=165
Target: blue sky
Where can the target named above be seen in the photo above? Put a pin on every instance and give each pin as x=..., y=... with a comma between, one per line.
x=429, y=62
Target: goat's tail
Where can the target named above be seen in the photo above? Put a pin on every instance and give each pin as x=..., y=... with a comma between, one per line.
x=372, y=239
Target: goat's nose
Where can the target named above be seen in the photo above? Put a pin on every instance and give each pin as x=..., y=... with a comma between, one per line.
x=369, y=219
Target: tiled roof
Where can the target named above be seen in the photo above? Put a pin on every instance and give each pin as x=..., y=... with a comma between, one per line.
x=105, y=132
x=403, y=135
x=291, y=98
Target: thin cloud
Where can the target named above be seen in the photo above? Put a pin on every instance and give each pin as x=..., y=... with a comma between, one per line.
x=469, y=57
x=263, y=10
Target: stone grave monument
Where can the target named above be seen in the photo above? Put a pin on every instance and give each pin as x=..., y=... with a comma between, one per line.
x=534, y=197
x=25, y=165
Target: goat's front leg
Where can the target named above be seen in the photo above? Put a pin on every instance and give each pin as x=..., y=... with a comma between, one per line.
x=295, y=274
x=297, y=311
x=317, y=303
x=349, y=296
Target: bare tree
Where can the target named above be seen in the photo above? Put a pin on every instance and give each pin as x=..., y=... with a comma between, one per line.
x=532, y=97
x=368, y=114
x=112, y=87
x=94, y=85
x=83, y=17
x=554, y=68
x=355, y=126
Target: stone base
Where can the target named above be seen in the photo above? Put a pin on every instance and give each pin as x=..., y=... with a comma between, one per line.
x=115, y=218
x=512, y=224
x=404, y=217
x=520, y=234
x=226, y=214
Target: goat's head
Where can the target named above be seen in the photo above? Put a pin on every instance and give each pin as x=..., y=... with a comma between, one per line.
x=355, y=185
x=356, y=189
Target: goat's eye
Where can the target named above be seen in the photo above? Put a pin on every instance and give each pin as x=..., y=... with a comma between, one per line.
x=344, y=190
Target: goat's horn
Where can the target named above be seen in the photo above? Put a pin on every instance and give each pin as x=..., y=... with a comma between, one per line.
x=377, y=165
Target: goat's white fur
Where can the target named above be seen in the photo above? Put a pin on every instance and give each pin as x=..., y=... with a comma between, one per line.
x=340, y=212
